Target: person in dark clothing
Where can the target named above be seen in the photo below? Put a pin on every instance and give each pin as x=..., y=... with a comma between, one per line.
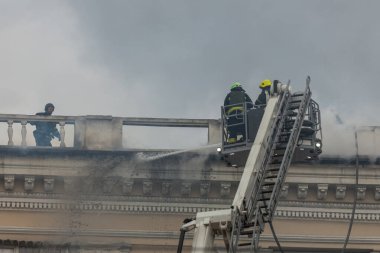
x=264, y=95
x=235, y=103
x=45, y=131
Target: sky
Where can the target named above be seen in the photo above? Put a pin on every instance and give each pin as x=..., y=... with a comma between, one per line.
x=177, y=59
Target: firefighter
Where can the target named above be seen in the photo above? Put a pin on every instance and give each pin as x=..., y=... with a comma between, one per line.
x=264, y=95
x=234, y=104
x=45, y=131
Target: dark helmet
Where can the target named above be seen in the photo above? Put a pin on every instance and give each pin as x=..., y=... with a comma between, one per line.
x=48, y=105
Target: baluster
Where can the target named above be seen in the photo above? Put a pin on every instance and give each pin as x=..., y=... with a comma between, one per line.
x=10, y=133
x=23, y=133
x=62, y=133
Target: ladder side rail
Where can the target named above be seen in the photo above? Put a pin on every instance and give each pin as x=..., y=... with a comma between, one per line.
x=313, y=118
x=258, y=221
x=245, y=122
x=289, y=152
x=275, y=131
x=317, y=115
x=237, y=224
x=274, y=124
x=255, y=157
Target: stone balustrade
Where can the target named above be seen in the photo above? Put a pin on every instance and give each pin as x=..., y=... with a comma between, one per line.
x=100, y=132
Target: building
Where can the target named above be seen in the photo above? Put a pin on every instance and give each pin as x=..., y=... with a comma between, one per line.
x=97, y=196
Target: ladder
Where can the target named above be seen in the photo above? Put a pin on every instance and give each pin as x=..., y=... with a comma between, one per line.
x=249, y=214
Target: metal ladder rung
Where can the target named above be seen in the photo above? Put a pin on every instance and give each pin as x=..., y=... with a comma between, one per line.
x=244, y=244
x=273, y=169
x=296, y=100
x=276, y=162
x=297, y=94
x=287, y=133
x=291, y=113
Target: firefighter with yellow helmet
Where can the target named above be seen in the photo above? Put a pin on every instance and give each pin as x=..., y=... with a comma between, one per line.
x=265, y=91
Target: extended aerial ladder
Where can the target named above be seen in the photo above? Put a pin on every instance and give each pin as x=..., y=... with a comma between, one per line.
x=257, y=196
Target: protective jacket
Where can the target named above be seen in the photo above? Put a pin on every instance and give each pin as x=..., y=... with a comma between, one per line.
x=262, y=98
x=235, y=99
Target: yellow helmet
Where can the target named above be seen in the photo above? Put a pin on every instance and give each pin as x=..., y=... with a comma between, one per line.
x=265, y=83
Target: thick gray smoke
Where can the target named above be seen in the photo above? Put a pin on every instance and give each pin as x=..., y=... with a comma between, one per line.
x=339, y=136
x=168, y=58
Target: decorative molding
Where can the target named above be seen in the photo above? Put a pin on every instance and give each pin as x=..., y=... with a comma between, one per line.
x=364, y=212
x=377, y=193
x=127, y=186
x=166, y=188
x=149, y=234
x=49, y=184
x=85, y=186
x=185, y=188
x=361, y=192
x=9, y=182
x=147, y=187
x=329, y=215
x=204, y=188
x=68, y=184
x=340, y=192
x=108, y=184
x=322, y=191
x=328, y=205
x=225, y=189
x=29, y=183
x=284, y=191
x=302, y=191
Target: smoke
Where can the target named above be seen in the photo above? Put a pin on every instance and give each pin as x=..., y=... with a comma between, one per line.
x=99, y=180
x=339, y=135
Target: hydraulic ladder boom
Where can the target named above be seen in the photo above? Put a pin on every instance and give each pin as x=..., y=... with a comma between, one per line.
x=265, y=170
x=263, y=176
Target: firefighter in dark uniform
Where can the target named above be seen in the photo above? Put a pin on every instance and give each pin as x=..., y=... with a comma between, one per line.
x=45, y=131
x=234, y=105
x=264, y=95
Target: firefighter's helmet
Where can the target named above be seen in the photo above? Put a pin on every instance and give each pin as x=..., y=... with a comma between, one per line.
x=235, y=85
x=265, y=83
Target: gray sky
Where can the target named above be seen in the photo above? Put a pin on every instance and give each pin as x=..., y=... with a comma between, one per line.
x=171, y=58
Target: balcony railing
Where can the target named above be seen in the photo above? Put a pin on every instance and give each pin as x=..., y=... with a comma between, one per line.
x=95, y=132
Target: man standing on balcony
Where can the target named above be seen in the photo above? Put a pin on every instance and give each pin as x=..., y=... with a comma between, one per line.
x=45, y=131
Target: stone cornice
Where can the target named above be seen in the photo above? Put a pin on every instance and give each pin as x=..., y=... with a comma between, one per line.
x=333, y=174
x=196, y=169
x=334, y=211
x=329, y=214
x=107, y=206
x=175, y=235
x=321, y=239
